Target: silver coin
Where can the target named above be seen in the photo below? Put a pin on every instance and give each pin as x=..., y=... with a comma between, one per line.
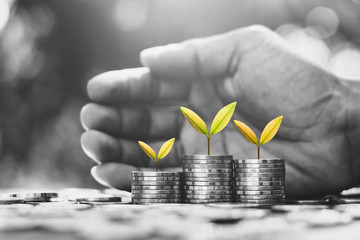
x=156, y=191
x=261, y=201
x=37, y=199
x=200, y=161
x=208, y=166
x=256, y=197
x=258, y=188
x=257, y=179
x=96, y=199
x=10, y=200
x=207, y=175
x=263, y=192
x=213, y=179
x=215, y=183
x=33, y=194
x=156, y=178
x=237, y=174
x=168, y=195
x=155, y=174
x=260, y=183
x=260, y=170
x=207, y=170
x=259, y=165
x=207, y=188
x=154, y=200
x=208, y=192
x=161, y=187
x=199, y=201
x=202, y=196
x=156, y=183
x=265, y=160
x=207, y=157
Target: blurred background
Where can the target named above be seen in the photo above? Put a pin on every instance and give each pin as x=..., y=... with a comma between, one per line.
x=50, y=49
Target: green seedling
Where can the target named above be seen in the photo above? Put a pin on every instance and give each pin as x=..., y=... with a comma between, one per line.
x=220, y=121
x=267, y=134
x=163, y=152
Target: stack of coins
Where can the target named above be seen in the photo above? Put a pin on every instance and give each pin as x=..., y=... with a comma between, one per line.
x=259, y=181
x=155, y=187
x=207, y=179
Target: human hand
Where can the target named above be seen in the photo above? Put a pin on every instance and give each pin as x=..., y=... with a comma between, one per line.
x=252, y=66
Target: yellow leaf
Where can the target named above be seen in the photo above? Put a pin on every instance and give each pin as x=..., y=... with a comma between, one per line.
x=222, y=118
x=194, y=120
x=246, y=131
x=165, y=148
x=147, y=149
x=270, y=130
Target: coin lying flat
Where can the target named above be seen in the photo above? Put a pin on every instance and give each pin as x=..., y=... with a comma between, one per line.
x=207, y=157
x=10, y=200
x=258, y=188
x=155, y=174
x=208, y=166
x=263, y=192
x=168, y=195
x=97, y=199
x=156, y=191
x=208, y=192
x=154, y=200
x=201, y=161
x=156, y=183
x=207, y=188
x=260, y=183
x=259, y=165
x=215, y=183
x=160, y=187
x=197, y=201
x=156, y=178
x=257, y=179
x=260, y=170
x=265, y=160
x=37, y=199
x=33, y=194
x=207, y=170
x=207, y=175
x=256, y=197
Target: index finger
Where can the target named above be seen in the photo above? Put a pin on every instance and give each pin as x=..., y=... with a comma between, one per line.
x=135, y=85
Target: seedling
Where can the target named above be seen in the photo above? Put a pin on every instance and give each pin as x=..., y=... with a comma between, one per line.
x=267, y=134
x=163, y=152
x=220, y=121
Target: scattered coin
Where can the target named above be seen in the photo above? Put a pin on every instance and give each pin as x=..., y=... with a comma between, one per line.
x=10, y=200
x=34, y=194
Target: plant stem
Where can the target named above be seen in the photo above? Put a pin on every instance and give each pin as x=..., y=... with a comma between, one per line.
x=258, y=150
x=156, y=162
x=208, y=140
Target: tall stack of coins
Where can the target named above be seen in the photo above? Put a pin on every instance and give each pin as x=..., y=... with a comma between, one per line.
x=155, y=187
x=259, y=181
x=207, y=179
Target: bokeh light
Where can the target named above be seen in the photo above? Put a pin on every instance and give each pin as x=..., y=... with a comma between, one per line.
x=324, y=19
x=130, y=15
x=346, y=63
x=4, y=13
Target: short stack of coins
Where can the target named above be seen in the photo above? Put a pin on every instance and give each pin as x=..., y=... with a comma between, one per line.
x=259, y=181
x=207, y=179
x=155, y=187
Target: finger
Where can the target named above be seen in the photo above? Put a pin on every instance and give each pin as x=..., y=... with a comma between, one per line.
x=210, y=57
x=103, y=148
x=135, y=85
x=132, y=123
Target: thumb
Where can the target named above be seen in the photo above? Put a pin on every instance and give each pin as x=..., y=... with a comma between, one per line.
x=202, y=58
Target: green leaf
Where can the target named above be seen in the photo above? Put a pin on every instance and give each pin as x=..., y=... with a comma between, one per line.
x=147, y=149
x=222, y=118
x=270, y=130
x=246, y=131
x=194, y=120
x=165, y=148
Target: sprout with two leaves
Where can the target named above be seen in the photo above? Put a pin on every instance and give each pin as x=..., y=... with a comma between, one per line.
x=163, y=152
x=267, y=134
x=220, y=121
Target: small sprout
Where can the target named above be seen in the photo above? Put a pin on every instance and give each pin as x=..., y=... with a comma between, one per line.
x=220, y=121
x=267, y=134
x=163, y=152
